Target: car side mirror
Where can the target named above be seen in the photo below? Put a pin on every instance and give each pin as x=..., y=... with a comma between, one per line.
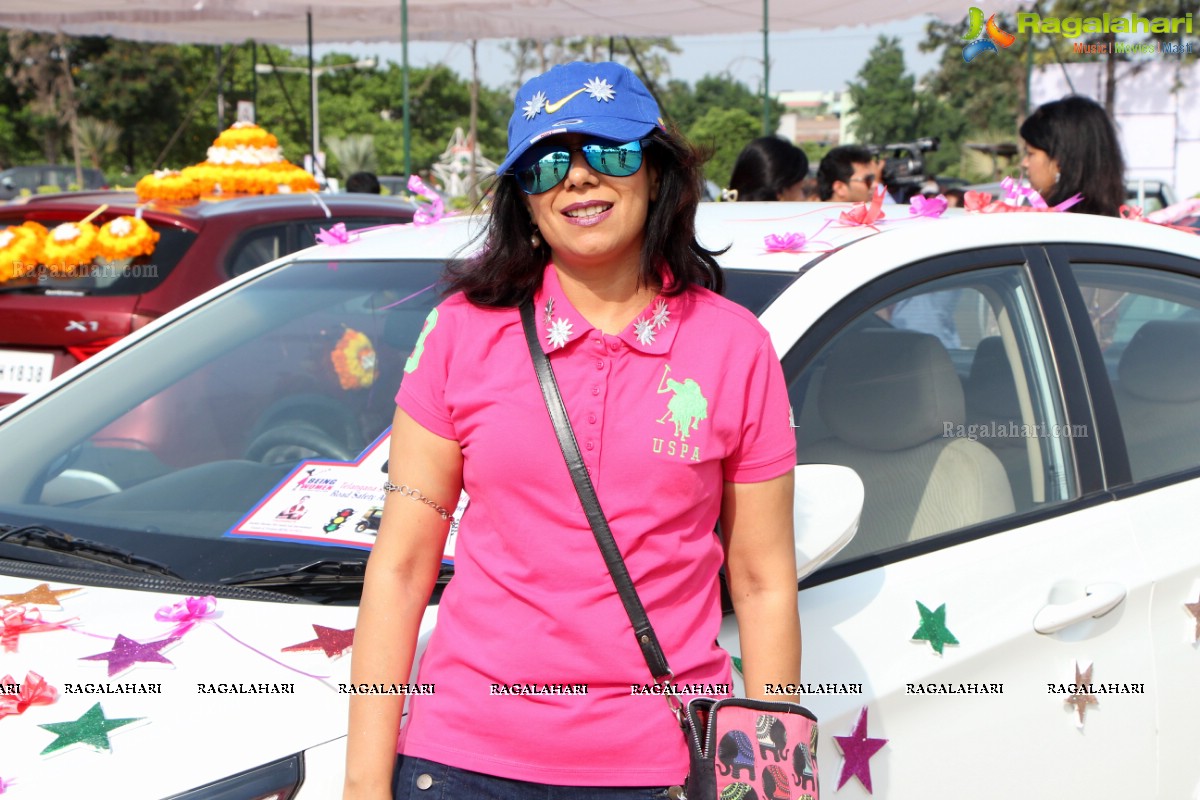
x=828, y=506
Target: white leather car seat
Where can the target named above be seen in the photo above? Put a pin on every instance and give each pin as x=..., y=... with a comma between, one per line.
x=888, y=397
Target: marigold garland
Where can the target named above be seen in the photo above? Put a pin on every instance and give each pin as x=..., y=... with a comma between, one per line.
x=20, y=251
x=244, y=159
x=126, y=237
x=168, y=185
x=354, y=360
x=68, y=247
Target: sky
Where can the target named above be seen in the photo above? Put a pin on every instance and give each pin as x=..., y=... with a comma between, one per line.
x=800, y=60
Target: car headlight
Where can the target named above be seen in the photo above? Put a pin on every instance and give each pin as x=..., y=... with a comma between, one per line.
x=278, y=780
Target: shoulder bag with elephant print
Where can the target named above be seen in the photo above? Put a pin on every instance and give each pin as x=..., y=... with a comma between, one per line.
x=740, y=749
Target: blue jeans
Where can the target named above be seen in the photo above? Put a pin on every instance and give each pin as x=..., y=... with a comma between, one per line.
x=420, y=779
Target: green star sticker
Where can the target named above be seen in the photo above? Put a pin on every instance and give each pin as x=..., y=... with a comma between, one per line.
x=933, y=628
x=91, y=729
x=737, y=664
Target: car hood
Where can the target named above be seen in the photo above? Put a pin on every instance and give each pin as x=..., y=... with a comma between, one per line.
x=233, y=697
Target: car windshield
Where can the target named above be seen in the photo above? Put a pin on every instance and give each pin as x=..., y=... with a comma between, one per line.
x=247, y=435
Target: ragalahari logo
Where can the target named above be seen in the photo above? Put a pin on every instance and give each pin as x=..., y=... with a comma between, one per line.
x=984, y=37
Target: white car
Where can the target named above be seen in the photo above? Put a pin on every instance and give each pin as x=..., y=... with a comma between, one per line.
x=185, y=516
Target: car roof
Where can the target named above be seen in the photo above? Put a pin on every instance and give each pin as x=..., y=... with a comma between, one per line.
x=211, y=208
x=743, y=228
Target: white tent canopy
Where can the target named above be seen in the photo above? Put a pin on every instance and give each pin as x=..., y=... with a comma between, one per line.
x=285, y=21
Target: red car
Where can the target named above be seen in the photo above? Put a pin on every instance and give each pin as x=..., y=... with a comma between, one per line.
x=49, y=323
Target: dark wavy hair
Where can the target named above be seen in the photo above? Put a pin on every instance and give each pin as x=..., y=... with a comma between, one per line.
x=766, y=167
x=838, y=165
x=1078, y=133
x=508, y=269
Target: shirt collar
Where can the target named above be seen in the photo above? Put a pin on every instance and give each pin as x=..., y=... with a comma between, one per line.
x=652, y=331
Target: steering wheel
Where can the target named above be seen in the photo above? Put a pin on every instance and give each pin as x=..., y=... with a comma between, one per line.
x=296, y=440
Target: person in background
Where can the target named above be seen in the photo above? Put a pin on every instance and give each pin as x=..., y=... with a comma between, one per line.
x=847, y=174
x=681, y=409
x=954, y=198
x=363, y=183
x=769, y=168
x=1071, y=147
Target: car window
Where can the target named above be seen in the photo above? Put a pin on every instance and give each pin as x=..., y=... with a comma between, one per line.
x=173, y=442
x=1147, y=325
x=944, y=399
x=257, y=248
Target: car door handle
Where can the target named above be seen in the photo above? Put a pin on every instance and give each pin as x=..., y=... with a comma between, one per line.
x=1101, y=598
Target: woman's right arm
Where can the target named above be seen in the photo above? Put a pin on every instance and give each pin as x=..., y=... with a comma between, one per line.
x=401, y=574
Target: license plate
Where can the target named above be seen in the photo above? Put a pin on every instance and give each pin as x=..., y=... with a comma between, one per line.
x=23, y=372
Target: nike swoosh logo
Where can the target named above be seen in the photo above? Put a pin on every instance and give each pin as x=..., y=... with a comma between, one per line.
x=552, y=107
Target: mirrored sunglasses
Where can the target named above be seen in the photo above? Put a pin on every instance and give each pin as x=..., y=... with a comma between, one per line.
x=540, y=169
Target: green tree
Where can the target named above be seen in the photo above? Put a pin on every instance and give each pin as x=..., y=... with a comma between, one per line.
x=724, y=132
x=686, y=105
x=884, y=97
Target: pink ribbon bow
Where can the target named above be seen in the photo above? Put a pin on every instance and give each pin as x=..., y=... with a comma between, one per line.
x=865, y=214
x=931, y=207
x=426, y=215
x=34, y=692
x=335, y=235
x=187, y=613
x=785, y=243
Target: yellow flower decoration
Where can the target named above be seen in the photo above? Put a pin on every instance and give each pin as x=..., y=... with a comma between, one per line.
x=69, y=246
x=245, y=134
x=20, y=250
x=168, y=185
x=354, y=360
x=126, y=237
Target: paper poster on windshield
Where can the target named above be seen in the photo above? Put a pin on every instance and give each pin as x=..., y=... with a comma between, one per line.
x=335, y=503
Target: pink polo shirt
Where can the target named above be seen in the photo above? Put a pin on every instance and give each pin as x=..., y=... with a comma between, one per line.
x=690, y=395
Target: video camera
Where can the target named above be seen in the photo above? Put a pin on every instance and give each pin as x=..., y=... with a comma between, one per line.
x=904, y=165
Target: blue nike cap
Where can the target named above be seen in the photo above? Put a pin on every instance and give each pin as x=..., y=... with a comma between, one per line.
x=602, y=99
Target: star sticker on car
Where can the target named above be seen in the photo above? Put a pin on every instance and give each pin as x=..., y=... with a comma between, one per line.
x=933, y=628
x=90, y=730
x=40, y=595
x=126, y=652
x=1079, y=698
x=857, y=749
x=332, y=641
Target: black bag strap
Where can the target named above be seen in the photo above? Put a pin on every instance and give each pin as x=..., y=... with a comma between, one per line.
x=646, y=639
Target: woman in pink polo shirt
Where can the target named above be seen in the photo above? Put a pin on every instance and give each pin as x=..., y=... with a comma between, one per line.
x=678, y=402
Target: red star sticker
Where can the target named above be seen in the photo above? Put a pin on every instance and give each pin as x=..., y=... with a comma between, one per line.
x=331, y=640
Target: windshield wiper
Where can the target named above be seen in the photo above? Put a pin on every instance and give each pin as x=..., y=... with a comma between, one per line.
x=325, y=571
x=42, y=545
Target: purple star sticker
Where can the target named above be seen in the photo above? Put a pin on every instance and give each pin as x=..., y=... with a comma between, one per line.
x=857, y=749
x=126, y=652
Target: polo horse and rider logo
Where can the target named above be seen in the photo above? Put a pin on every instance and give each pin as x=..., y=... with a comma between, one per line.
x=687, y=406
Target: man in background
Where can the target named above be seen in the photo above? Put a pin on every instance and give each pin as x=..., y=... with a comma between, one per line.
x=363, y=182
x=847, y=174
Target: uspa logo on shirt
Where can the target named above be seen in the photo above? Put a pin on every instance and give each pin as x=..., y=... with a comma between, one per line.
x=686, y=409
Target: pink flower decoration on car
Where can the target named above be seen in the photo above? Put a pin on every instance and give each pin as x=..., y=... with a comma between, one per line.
x=335, y=235
x=16, y=620
x=932, y=207
x=976, y=201
x=865, y=213
x=34, y=692
x=426, y=215
x=785, y=243
x=188, y=613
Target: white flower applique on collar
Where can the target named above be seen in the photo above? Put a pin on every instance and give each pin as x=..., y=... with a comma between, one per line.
x=558, y=332
x=646, y=329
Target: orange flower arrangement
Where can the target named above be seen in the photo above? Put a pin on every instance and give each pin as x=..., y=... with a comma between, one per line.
x=68, y=247
x=126, y=237
x=354, y=360
x=169, y=185
x=20, y=250
x=245, y=134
